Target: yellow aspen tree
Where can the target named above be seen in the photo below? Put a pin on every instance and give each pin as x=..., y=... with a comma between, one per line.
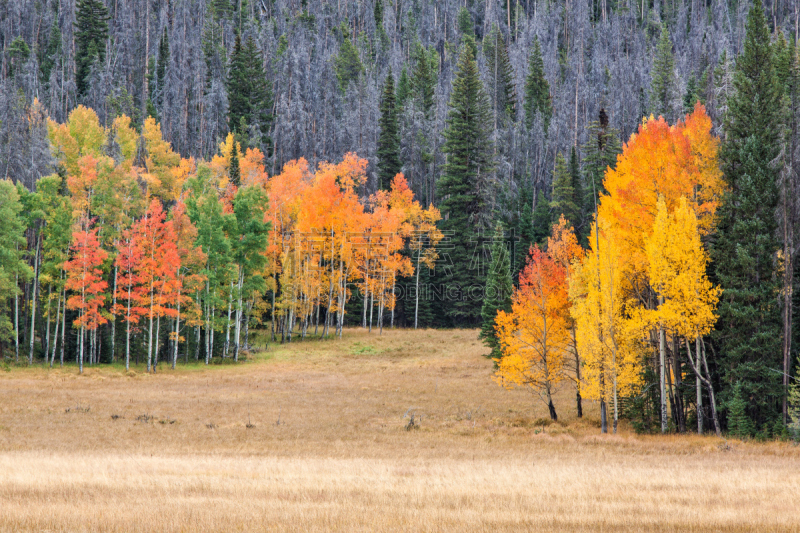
x=677, y=265
x=612, y=351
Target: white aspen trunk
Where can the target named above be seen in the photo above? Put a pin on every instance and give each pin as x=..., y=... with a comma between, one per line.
x=177, y=332
x=247, y=326
x=16, y=318
x=55, y=335
x=238, y=331
x=46, y=347
x=211, y=343
x=662, y=348
x=699, y=394
x=711, y=395
x=114, y=319
x=80, y=355
x=698, y=372
x=371, y=308
x=150, y=333
x=416, y=293
x=228, y=326
x=158, y=342
x=128, y=332
x=64, y=326
x=394, y=298
x=33, y=300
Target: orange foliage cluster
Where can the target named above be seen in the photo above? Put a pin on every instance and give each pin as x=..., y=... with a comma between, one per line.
x=644, y=269
x=324, y=238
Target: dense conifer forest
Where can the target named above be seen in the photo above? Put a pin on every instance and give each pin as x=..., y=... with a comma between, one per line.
x=606, y=189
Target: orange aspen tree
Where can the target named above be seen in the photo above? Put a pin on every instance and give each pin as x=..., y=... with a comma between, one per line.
x=157, y=272
x=534, y=336
x=563, y=247
x=85, y=280
x=128, y=289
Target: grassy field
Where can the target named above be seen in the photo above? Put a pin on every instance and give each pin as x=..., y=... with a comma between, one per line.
x=313, y=437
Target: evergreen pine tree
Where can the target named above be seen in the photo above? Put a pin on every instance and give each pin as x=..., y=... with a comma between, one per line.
x=739, y=424
x=161, y=69
x=663, y=85
x=692, y=95
x=563, y=198
x=389, y=136
x=497, y=294
x=524, y=235
x=537, y=90
x=466, y=26
x=403, y=89
x=51, y=54
x=347, y=64
x=745, y=247
x=424, y=78
x=91, y=32
x=380, y=32
x=249, y=94
x=501, y=77
x=18, y=53
x=234, y=172
x=541, y=219
x=465, y=188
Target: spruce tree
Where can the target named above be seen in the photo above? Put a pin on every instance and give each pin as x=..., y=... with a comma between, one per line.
x=380, y=32
x=51, y=54
x=91, y=32
x=501, y=77
x=389, y=136
x=739, y=424
x=161, y=69
x=537, y=90
x=466, y=26
x=18, y=53
x=424, y=76
x=466, y=188
x=497, y=294
x=692, y=95
x=403, y=89
x=663, y=85
x=347, y=64
x=234, y=172
x=249, y=94
x=744, y=250
x=563, y=198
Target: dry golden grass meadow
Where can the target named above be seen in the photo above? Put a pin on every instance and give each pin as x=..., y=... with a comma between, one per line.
x=312, y=437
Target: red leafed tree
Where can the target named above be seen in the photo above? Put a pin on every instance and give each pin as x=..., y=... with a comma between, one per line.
x=156, y=272
x=84, y=279
x=129, y=256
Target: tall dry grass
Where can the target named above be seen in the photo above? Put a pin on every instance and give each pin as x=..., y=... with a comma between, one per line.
x=312, y=437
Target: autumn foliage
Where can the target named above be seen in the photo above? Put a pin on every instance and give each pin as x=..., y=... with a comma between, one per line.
x=182, y=247
x=638, y=290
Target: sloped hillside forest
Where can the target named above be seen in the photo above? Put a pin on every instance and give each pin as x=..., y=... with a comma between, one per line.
x=606, y=188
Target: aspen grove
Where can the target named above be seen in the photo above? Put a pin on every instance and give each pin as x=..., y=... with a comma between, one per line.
x=167, y=258
x=606, y=191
